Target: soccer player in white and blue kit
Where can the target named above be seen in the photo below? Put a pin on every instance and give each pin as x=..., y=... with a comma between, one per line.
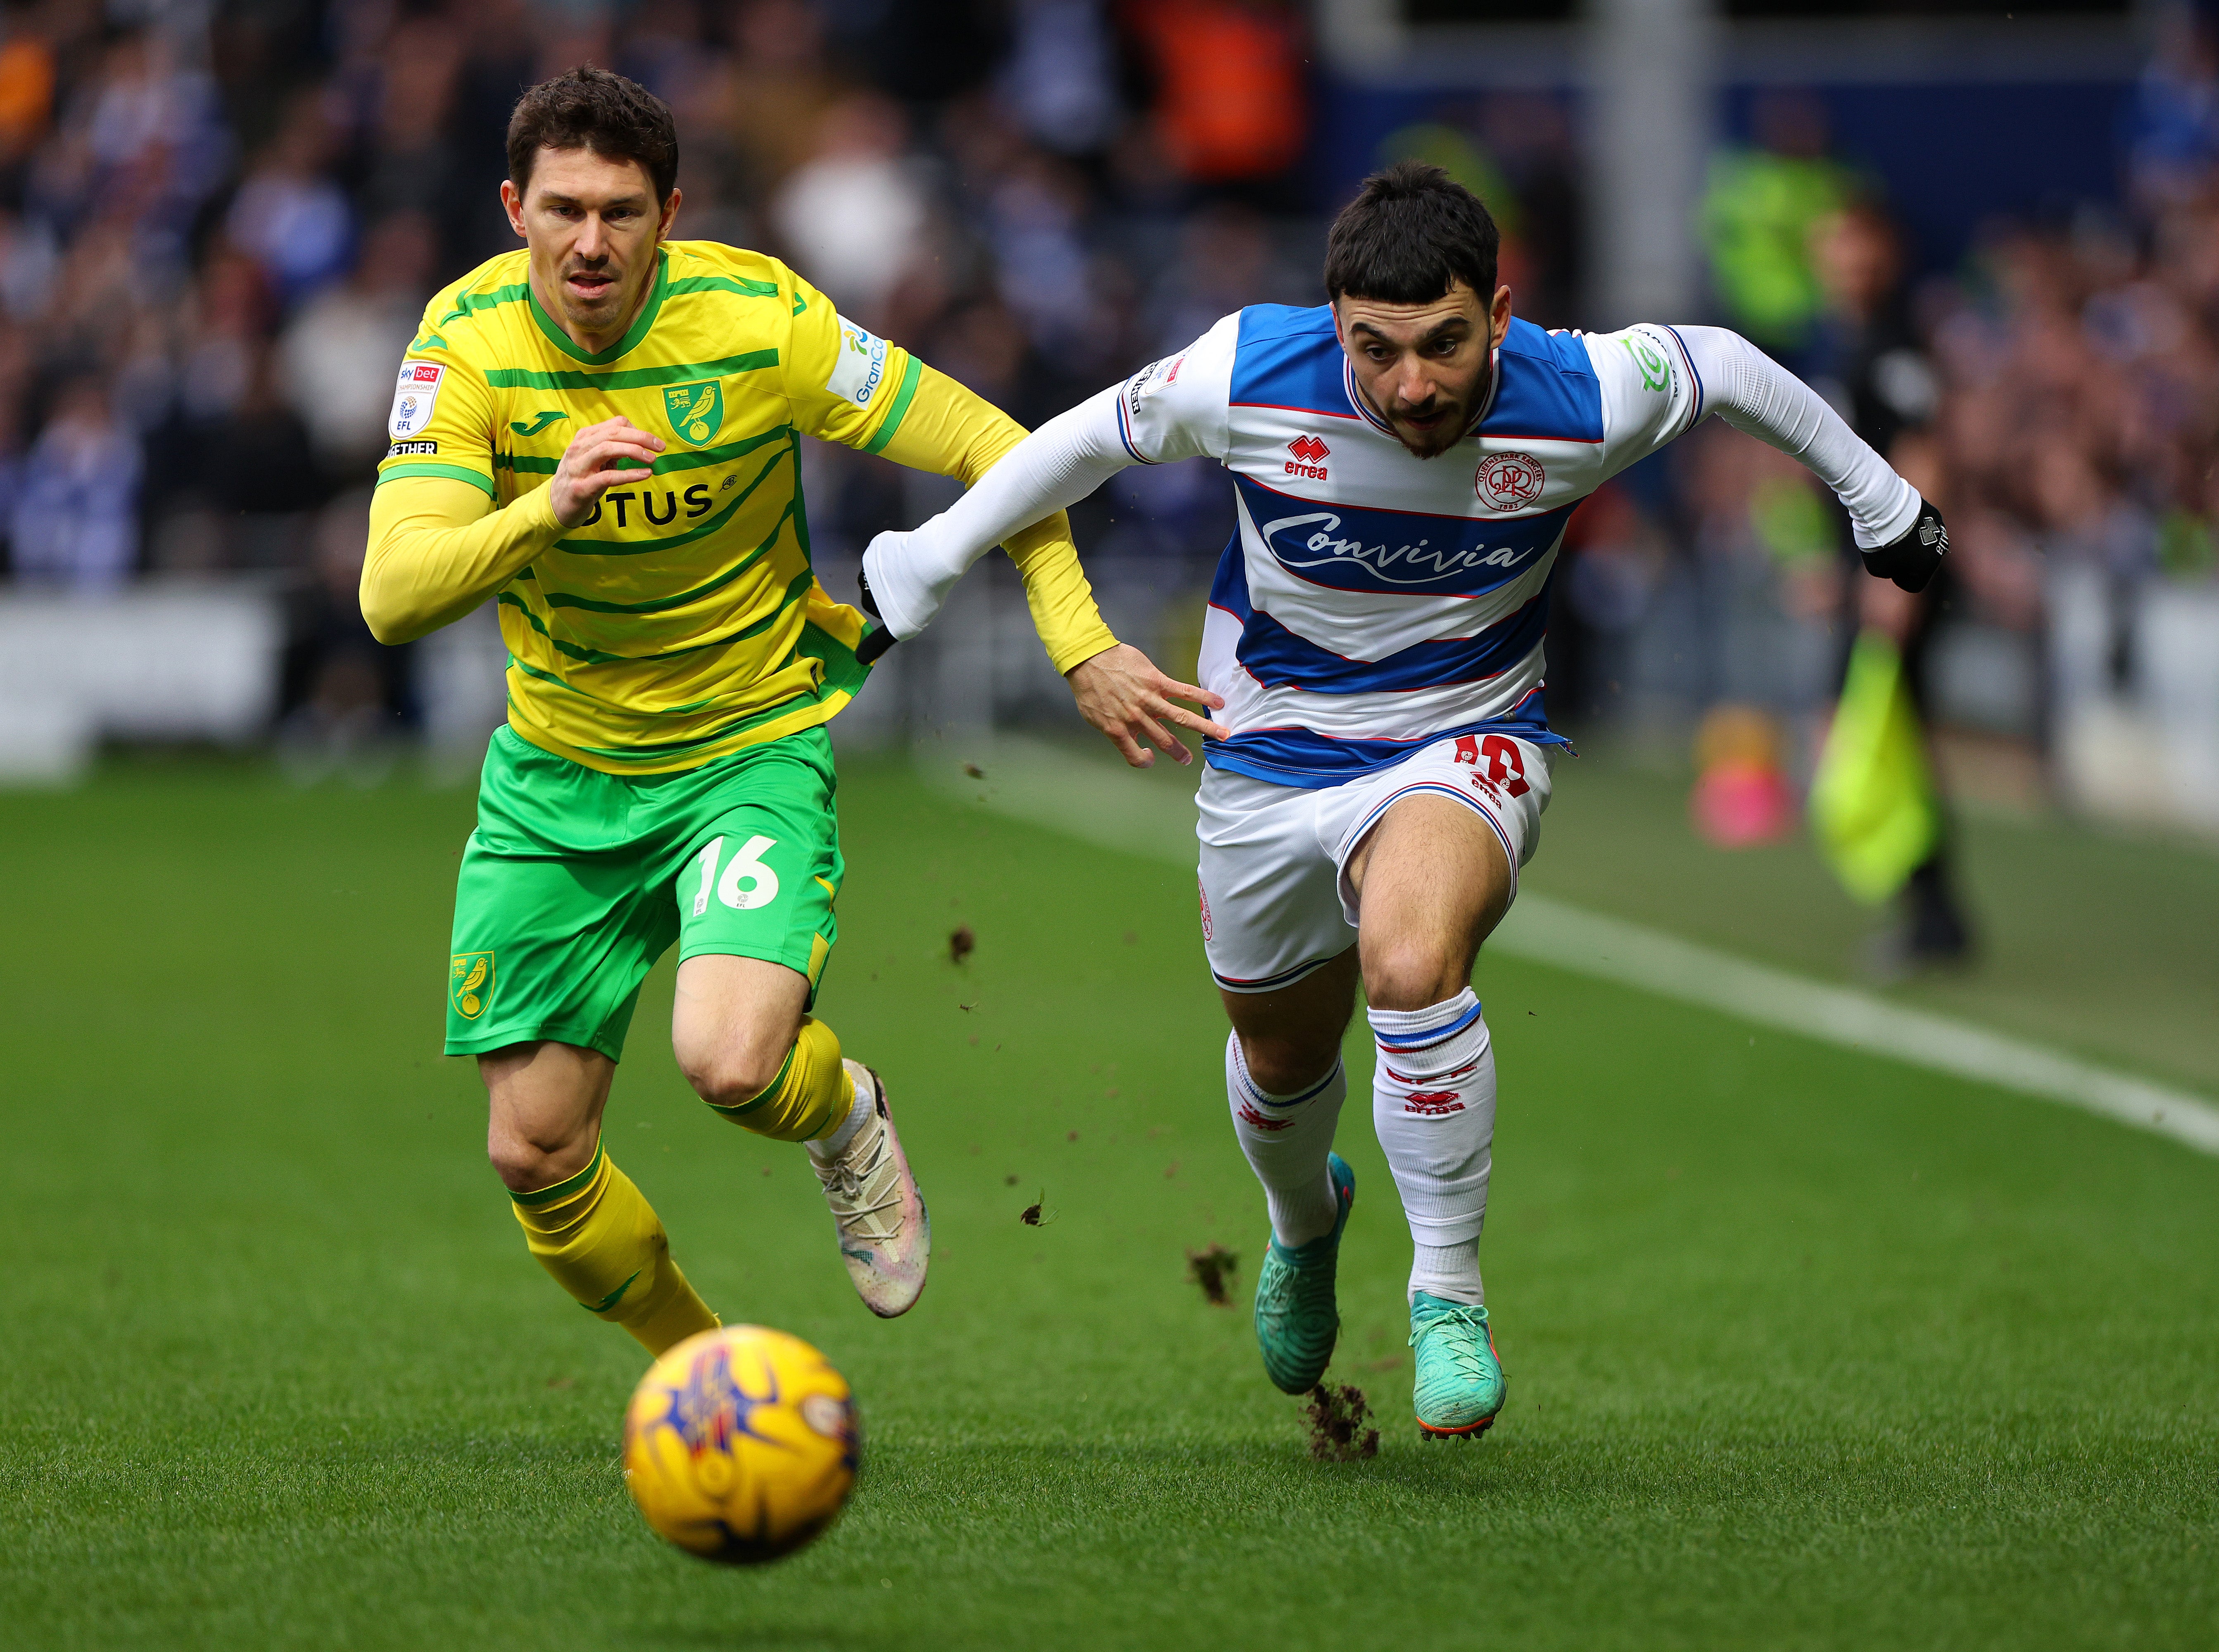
x=1406, y=458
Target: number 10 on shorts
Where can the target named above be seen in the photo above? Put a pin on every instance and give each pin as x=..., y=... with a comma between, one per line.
x=747, y=883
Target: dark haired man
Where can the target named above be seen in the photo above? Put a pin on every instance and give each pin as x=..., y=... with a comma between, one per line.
x=602, y=433
x=1406, y=458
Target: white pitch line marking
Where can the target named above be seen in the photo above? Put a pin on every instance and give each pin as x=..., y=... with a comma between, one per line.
x=1550, y=932
x=1033, y=782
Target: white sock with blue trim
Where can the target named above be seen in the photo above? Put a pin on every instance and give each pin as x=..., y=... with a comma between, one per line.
x=1286, y=1138
x=1433, y=1103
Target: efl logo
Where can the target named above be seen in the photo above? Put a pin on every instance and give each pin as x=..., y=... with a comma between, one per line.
x=1510, y=482
x=415, y=397
x=1157, y=375
x=1310, y=457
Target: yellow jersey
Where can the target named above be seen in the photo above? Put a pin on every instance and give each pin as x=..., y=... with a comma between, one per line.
x=682, y=620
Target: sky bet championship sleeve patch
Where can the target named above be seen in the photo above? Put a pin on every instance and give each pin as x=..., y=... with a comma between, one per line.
x=414, y=397
x=1156, y=375
x=859, y=367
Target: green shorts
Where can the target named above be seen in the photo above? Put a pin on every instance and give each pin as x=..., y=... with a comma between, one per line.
x=575, y=882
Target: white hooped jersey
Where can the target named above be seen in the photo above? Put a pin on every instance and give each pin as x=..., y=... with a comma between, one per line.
x=1371, y=602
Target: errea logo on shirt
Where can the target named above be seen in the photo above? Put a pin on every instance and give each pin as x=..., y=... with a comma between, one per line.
x=1310, y=457
x=414, y=399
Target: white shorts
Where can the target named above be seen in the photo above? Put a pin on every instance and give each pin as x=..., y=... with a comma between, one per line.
x=1276, y=903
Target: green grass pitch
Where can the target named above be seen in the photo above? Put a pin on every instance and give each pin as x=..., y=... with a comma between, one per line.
x=1806, y=1349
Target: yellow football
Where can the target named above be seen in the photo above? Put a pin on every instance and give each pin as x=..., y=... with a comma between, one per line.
x=741, y=1445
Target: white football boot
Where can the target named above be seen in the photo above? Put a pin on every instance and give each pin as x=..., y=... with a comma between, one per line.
x=886, y=1237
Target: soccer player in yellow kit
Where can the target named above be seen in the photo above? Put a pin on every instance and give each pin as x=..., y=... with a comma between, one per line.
x=602, y=433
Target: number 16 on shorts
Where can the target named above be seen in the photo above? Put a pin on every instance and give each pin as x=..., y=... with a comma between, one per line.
x=746, y=882
x=750, y=894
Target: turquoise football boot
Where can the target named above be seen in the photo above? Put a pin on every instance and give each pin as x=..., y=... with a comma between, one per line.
x=1297, y=1320
x=1460, y=1385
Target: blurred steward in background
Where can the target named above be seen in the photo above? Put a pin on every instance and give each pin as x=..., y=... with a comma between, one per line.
x=1865, y=357
x=1760, y=202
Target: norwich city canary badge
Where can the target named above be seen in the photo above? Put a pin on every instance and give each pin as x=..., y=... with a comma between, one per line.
x=469, y=983
x=695, y=411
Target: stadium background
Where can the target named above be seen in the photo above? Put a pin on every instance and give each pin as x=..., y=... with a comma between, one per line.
x=1808, y=1345
x=217, y=223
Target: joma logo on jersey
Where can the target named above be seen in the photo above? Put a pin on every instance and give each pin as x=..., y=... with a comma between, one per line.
x=1310, y=457
x=695, y=411
x=1405, y=564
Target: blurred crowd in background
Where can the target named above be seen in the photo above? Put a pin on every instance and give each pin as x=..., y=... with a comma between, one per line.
x=219, y=225
x=220, y=221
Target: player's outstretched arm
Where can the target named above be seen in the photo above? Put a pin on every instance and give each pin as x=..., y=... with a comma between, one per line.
x=1117, y=687
x=1900, y=535
x=951, y=430
x=909, y=574
x=436, y=549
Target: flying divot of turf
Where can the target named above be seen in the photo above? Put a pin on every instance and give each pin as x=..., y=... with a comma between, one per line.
x=1335, y=1413
x=1212, y=1270
x=960, y=943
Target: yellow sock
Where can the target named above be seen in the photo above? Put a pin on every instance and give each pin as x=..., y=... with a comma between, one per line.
x=604, y=1245
x=811, y=1096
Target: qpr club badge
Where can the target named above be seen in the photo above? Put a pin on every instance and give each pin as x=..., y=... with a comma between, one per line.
x=1509, y=482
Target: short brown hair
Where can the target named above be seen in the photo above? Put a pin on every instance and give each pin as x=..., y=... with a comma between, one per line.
x=1411, y=233
x=591, y=109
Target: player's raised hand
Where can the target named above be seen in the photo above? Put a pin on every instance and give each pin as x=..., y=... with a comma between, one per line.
x=599, y=456
x=1121, y=692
